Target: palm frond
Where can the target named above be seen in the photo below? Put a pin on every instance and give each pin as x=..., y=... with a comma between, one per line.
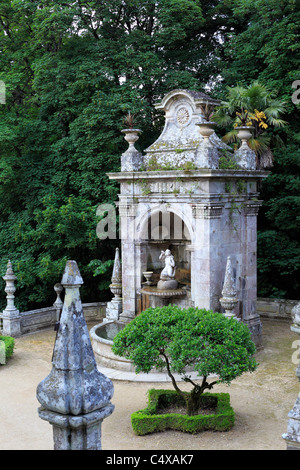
x=231, y=136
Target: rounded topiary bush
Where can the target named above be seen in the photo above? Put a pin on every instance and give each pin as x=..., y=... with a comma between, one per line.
x=7, y=344
x=175, y=339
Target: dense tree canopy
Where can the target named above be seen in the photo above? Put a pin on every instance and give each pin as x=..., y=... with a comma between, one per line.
x=72, y=70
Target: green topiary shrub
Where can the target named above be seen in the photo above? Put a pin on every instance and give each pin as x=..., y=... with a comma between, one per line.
x=176, y=339
x=152, y=419
x=9, y=344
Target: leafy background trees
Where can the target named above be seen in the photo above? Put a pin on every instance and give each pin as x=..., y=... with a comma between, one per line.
x=73, y=70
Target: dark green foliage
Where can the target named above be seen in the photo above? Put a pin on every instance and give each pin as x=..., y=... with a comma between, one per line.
x=278, y=243
x=72, y=71
x=9, y=346
x=174, y=338
x=153, y=419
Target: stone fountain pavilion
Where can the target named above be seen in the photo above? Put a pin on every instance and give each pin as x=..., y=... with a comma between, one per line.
x=183, y=216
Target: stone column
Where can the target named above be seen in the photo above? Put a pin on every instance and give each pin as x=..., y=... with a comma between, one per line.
x=249, y=268
x=292, y=436
x=205, y=261
x=127, y=211
x=75, y=396
x=11, y=315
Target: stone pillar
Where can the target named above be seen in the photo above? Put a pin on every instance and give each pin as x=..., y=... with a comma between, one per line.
x=249, y=272
x=205, y=259
x=229, y=299
x=127, y=211
x=114, y=308
x=292, y=436
x=75, y=396
x=11, y=315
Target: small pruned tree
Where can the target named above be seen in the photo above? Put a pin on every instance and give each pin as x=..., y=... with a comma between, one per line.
x=177, y=339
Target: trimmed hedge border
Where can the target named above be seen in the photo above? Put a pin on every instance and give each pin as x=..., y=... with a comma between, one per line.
x=148, y=421
x=9, y=342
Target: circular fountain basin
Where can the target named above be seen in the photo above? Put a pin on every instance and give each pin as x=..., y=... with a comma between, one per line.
x=102, y=336
x=163, y=293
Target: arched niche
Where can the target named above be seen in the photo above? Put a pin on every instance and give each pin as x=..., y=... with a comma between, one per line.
x=161, y=230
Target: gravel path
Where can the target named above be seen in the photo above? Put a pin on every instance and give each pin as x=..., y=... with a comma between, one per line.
x=261, y=401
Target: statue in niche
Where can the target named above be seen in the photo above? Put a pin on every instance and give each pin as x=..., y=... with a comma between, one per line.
x=169, y=269
x=167, y=276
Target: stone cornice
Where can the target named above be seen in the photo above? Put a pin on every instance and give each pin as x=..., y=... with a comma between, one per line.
x=204, y=173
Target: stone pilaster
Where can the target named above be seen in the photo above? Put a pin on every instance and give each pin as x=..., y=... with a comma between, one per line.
x=207, y=156
x=75, y=396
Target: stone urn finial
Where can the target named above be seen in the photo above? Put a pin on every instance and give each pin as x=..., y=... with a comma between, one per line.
x=229, y=299
x=131, y=159
x=10, y=288
x=11, y=315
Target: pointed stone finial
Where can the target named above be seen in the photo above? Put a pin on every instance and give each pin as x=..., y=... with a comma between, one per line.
x=229, y=299
x=117, y=272
x=116, y=280
x=11, y=315
x=114, y=308
x=74, y=387
x=71, y=275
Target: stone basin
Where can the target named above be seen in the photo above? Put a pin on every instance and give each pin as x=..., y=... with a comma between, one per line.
x=102, y=336
x=164, y=293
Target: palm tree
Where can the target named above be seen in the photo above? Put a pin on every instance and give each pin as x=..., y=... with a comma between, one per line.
x=254, y=106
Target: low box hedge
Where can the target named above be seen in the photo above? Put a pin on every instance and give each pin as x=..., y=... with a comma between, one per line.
x=148, y=420
x=9, y=343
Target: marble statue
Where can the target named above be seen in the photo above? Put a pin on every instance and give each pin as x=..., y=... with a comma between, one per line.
x=167, y=276
x=170, y=268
